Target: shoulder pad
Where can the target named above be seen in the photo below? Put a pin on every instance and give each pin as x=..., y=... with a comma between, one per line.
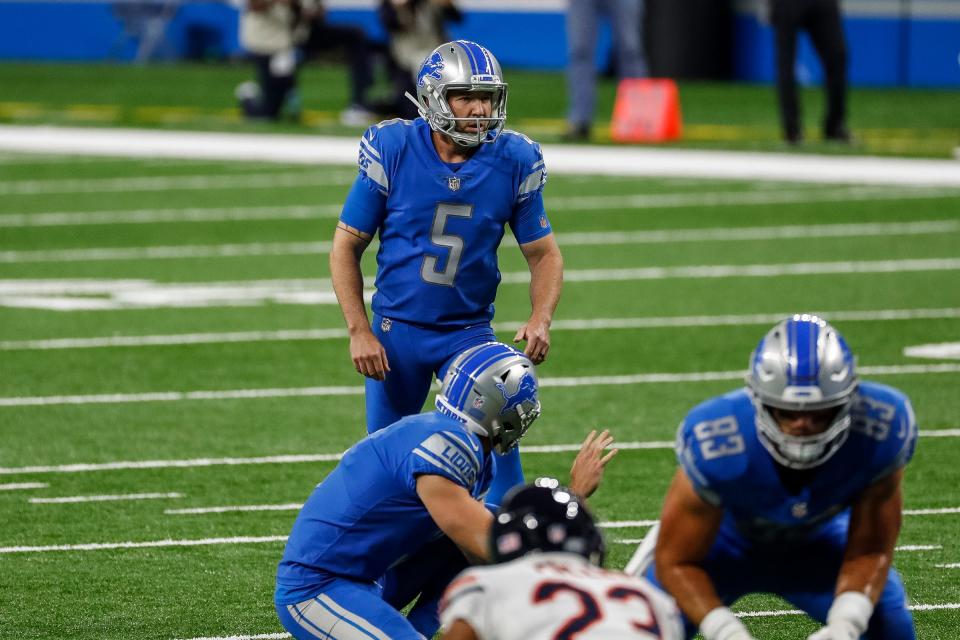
x=884, y=419
x=453, y=454
x=712, y=443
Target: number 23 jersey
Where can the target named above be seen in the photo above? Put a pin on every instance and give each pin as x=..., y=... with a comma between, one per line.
x=558, y=595
x=440, y=224
x=720, y=452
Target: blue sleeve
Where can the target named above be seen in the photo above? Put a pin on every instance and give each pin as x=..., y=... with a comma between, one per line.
x=689, y=461
x=366, y=203
x=529, y=221
x=901, y=443
x=712, y=449
x=443, y=454
x=364, y=207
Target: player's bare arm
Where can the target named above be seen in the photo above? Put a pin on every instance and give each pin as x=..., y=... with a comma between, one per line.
x=459, y=630
x=587, y=470
x=546, y=281
x=874, y=527
x=462, y=518
x=688, y=527
x=368, y=355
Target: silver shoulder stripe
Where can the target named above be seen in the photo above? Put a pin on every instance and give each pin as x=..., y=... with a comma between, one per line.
x=532, y=183
x=369, y=148
x=440, y=464
x=376, y=173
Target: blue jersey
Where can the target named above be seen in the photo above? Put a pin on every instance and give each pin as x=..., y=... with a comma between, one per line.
x=440, y=225
x=366, y=515
x=718, y=447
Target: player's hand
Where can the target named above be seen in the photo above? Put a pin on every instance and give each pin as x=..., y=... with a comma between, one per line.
x=587, y=470
x=368, y=355
x=835, y=631
x=536, y=332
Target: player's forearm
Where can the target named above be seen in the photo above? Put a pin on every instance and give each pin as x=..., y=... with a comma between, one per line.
x=874, y=527
x=691, y=587
x=866, y=573
x=470, y=531
x=348, y=285
x=546, y=283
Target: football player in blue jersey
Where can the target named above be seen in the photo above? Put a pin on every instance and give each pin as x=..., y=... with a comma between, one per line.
x=404, y=507
x=790, y=486
x=439, y=190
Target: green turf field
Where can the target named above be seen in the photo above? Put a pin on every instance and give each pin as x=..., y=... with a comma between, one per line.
x=885, y=121
x=159, y=319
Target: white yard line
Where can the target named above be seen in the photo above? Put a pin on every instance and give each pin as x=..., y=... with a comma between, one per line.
x=152, y=216
x=98, y=546
x=176, y=252
x=951, y=565
x=604, y=238
x=560, y=159
x=581, y=381
x=17, y=486
x=294, y=506
x=739, y=199
x=175, y=183
x=554, y=205
x=333, y=457
x=747, y=271
x=585, y=324
x=62, y=295
x=627, y=524
x=931, y=512
x=106, y=498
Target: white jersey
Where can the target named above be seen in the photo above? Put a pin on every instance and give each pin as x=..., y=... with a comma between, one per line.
x=559, y=596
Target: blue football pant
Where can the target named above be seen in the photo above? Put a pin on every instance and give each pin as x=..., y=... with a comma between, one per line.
x=802, y=573
x=352, y=610
x=416, y=355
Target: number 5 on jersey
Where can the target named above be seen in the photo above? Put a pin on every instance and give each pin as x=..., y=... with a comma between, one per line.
x=428, y=271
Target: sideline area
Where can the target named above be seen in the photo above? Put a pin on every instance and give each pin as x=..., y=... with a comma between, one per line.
x=561, y=159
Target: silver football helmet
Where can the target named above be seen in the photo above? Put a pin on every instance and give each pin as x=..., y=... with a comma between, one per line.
x=802, y=364
x=492, y=389
x=461, y=65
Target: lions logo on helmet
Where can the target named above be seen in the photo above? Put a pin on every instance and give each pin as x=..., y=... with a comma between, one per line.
x=461, y=65
x=526, y=392
x=544, y=517
x=802, y=364
x=492, y=389
x=432, y=66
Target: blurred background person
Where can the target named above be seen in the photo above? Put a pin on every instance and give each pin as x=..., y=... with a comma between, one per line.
x=280, y=35
x=415, y=28
x=267, y=33
x=316, y=35
x=821, y=20
x=583, y=21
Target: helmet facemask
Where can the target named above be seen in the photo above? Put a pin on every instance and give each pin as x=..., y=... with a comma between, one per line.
x=802, y=452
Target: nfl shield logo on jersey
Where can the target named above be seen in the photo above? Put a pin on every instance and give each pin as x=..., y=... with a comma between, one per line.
x=386, y=324
x=454, y=183
x=799, y=510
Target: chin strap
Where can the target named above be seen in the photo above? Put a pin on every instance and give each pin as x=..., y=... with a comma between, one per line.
x=420, y=109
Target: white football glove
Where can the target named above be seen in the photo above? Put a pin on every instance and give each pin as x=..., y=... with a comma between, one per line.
x=721, y=624
x=847, y=619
